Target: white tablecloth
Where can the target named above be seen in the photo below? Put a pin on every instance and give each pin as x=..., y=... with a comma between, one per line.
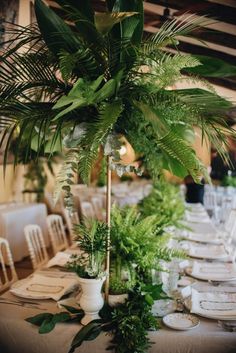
x=13, y=219
x=17, y=335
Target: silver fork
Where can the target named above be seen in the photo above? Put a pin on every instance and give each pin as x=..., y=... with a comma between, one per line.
x=22, y=303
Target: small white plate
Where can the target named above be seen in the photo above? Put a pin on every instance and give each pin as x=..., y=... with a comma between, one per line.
x=182, y=322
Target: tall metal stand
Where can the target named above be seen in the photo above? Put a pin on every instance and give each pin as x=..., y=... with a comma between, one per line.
x=108, y=221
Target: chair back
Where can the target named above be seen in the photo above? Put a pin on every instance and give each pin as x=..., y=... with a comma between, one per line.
x=97, y=203
x=87, y=210
x=71, y=219
x=8, y=275
x=36, y=245
x=57, y=233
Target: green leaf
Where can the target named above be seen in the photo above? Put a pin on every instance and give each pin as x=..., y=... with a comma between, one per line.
x=61, y=317
x=86, y=93
x=104, y=21
x=47, y=321
x=212, y=67
x=56, y=33
x=47, y=326
x=87, y=333
x=96, y=133
x=73, y=310
x=84, y=7
x=206, y=102
x=149, y=299
x=39, y=319
x=174, y=166
x=131, y=28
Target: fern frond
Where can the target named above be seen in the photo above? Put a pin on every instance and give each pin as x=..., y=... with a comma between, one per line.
x=167, y=70
x=96, y=134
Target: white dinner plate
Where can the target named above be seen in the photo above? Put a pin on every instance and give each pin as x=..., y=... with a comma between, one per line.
x=180, y=321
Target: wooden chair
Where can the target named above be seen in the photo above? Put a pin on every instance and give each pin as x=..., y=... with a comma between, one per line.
x=87, y=211
x=97, y=203
x=6, y=259
x=36, y=245
x=57, y=233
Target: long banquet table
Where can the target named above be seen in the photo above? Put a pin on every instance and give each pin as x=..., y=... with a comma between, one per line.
x=17, y=335
x=14, y=217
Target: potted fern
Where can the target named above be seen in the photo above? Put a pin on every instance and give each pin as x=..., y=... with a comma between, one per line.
x=118, y=291
x=89, y=266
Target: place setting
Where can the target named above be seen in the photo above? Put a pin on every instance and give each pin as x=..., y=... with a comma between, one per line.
x=38, y=286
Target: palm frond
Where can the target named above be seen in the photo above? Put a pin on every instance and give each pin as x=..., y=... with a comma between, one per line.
x=170, y=30
x=179, y=150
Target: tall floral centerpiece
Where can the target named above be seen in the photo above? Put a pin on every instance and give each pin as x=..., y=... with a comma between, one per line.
x=82, y=79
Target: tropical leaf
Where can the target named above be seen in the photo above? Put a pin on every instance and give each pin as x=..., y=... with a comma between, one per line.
x=84, y=94
x=104, y=21
x=56, y=33
x=178, y=149
x=84, y=7
x=212, y=67
x=171, y=30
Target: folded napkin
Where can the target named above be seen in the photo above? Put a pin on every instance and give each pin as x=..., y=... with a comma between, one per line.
x=214, y=271
x=39, y=286
x=208, y=252
x=210, y=238
x=197, y=218
x=60, y=259
x=213, y=304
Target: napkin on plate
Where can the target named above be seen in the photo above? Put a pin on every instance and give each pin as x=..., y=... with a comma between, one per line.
x=214, y=271
x=197, y=218
x=213, y=304
x=60, y=259
x=217, y=252
x=210, y=238
x=39, y=286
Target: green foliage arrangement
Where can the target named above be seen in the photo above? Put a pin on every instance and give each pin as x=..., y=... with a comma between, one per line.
x=137, y=240
x=119, y=286
x=81, y=86
x=129, y=324
x=229, y=180
x=165, y=202
x=91, y=239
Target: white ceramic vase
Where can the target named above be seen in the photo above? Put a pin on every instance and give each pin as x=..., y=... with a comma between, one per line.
x=91, y=300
